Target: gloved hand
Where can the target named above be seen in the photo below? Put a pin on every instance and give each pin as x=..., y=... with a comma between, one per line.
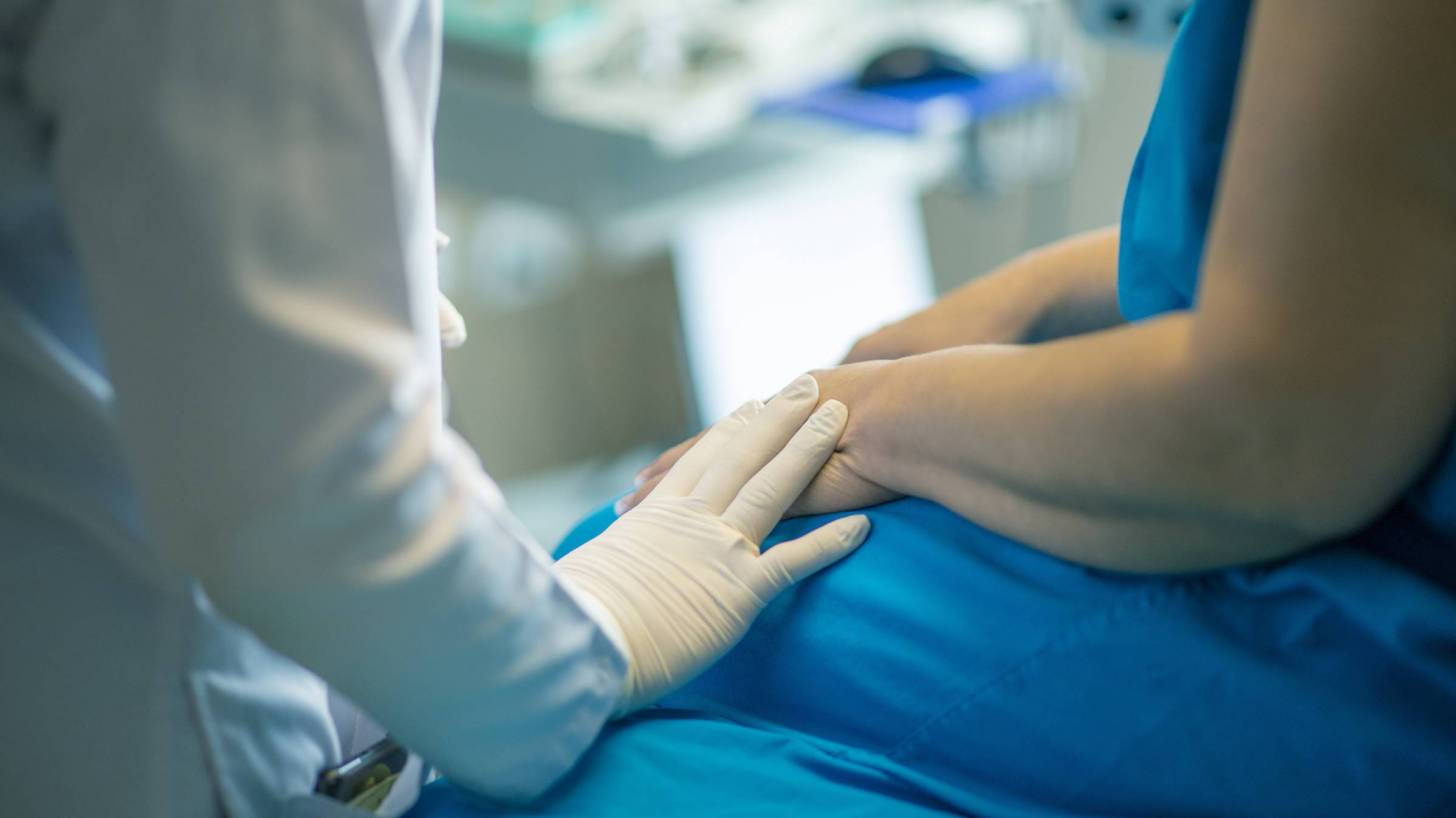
x=452, y=324
x=842, y=484
x=681, y=576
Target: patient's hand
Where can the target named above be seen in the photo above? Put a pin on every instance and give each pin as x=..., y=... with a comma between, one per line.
x=978, y=313
x=841, y=484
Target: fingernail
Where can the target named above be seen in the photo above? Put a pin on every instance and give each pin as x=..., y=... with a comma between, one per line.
x=801, y=387
x=860, y=532
x=639, y=479
x=748, y=409
x=620, y=507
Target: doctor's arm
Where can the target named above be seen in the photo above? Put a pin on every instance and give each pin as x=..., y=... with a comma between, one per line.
x=247, y=185
x=1307, y=390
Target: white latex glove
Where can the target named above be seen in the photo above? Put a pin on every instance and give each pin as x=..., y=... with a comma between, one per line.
x=680, y=576
x=452, y=324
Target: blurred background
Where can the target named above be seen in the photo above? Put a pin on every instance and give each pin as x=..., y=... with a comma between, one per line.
x=661, y=208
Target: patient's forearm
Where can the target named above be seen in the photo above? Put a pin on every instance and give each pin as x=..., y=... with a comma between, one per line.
x=1062, y=289
x=1108, y=449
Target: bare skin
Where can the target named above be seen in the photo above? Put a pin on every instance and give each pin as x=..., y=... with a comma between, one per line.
x=1307, y=390
x=1063, y=289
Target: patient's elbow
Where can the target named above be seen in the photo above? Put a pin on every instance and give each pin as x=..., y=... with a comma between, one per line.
x=1319, y=489
x=1306, y=459
x=1336, y=507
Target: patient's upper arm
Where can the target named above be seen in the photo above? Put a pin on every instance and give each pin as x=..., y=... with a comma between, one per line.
x=1329, y=288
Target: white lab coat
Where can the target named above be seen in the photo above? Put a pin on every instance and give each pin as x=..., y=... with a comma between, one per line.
x=231, y=204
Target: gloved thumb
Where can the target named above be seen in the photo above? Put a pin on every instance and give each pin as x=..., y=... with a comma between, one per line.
x=792, y=561
x=452, y=324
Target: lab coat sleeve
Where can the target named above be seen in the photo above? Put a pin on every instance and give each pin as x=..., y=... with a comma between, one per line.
x=247, y=183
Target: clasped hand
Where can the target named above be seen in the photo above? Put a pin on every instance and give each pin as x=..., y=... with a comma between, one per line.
x=842, y=483
x=681, y=575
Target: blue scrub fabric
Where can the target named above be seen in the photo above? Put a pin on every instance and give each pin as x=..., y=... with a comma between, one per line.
x=945, y=669
x=1170, y=191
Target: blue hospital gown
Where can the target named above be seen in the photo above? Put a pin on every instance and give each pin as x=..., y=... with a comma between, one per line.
x=943, y=669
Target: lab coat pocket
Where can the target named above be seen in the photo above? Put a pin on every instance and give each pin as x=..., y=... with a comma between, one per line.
x=263, y=721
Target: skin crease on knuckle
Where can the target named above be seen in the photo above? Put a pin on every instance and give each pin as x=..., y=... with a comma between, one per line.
x=760, y=494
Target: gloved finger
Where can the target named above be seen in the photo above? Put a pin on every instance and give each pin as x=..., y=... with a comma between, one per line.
x=634, y=498
x=780, y=418
x=452, y=324
x=683, y=476
x=767, y=495
x=794, y=560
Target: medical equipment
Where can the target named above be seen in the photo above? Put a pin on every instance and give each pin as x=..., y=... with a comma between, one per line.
x=690, y=75
x=377, y=767
x=1143, y=22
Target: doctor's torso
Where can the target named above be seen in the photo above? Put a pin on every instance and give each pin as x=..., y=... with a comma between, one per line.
x=116, y=668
